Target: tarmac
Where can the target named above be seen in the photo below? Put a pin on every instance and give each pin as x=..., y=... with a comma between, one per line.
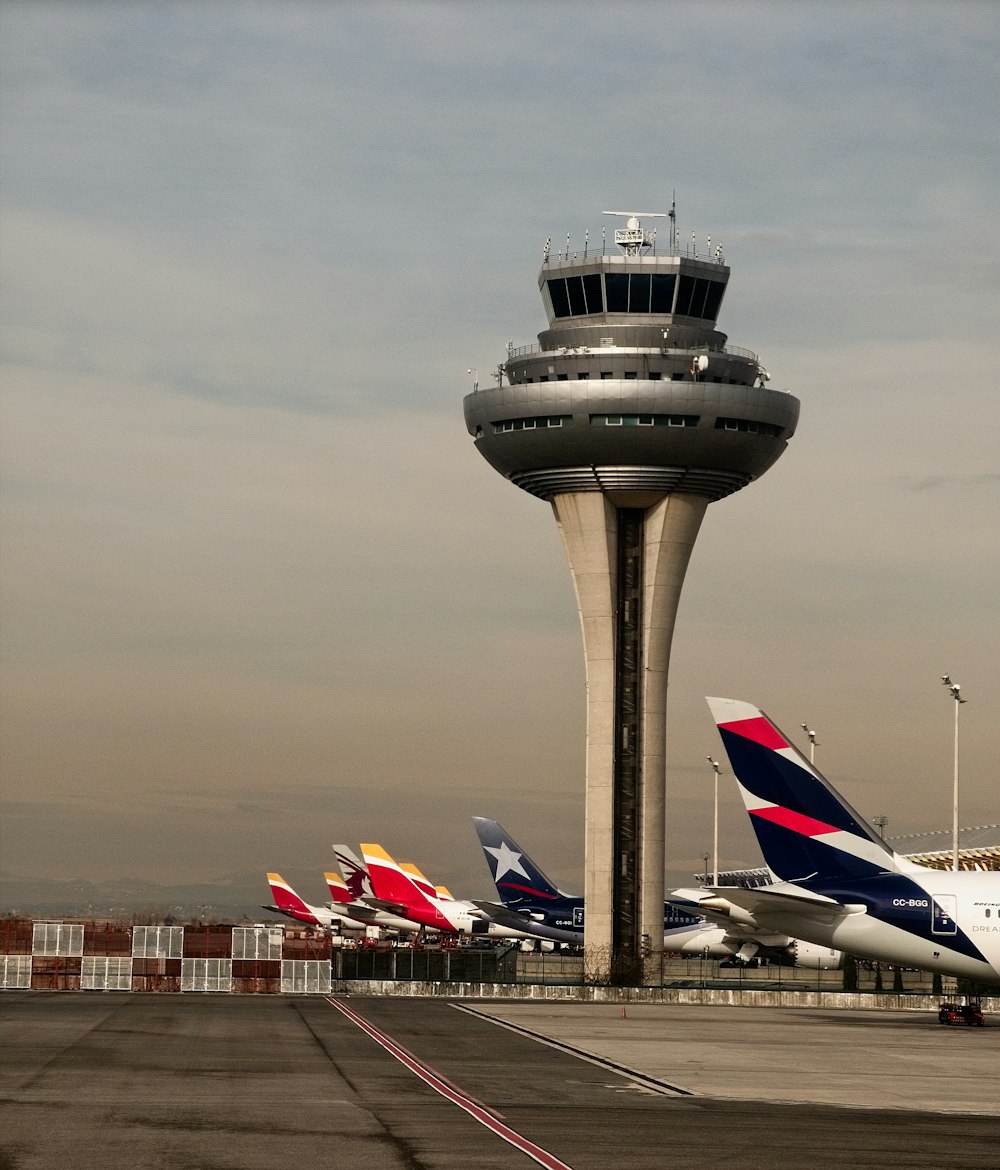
x=219, y=1082
x=899, y=1060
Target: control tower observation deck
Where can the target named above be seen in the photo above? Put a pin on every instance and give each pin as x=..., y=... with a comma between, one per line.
x=629, y=416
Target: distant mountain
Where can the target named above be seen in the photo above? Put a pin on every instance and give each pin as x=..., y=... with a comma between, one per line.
x=237, y=897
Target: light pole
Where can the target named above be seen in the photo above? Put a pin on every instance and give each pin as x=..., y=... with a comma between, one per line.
x=715, y=824
x=812, y=743
x=955, y=691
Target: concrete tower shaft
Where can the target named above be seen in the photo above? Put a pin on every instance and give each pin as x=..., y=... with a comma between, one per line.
x=629, y=416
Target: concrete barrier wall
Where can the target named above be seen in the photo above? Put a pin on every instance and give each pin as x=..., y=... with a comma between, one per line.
x=850, y=1001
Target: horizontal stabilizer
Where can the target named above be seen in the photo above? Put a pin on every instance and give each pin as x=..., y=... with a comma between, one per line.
x=767, y=902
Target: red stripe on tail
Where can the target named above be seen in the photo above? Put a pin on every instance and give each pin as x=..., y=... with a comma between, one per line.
x=759, y=730
x=797, y=822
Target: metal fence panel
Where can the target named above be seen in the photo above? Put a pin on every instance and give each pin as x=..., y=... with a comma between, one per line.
x=57, y=939
x=106, y=973
x=15, y=971
x=305, y=976
x=157, y=942
x=257, y=942
x=206, y=975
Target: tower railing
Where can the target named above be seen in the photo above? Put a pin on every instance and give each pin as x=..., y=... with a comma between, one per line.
x=733, y=350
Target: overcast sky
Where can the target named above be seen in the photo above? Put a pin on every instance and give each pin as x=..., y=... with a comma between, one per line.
x=260, y=593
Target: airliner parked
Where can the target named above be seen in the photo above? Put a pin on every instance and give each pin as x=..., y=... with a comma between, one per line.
x=526, y=892
x=343, y=902
x=288, y=902
x=399, y=892
x=835, y=881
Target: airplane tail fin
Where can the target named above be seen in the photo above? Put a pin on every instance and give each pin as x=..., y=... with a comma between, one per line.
x=423, y=883
x=517, y=879
x=286, y=899
x=339, y=890
x=805, y=828
x=355, y=872
x=389, y=881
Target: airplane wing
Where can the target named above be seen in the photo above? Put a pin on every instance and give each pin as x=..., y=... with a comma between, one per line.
x=759, y=907
x=397, y=908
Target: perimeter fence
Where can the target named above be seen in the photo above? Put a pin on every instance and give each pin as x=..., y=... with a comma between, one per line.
x=268, y=959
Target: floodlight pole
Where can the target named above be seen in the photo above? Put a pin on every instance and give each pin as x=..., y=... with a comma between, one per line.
x=715, y=824
x=956, y=693
x=812, y=743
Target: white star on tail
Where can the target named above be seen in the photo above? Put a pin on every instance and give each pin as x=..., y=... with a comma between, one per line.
x=507, y=862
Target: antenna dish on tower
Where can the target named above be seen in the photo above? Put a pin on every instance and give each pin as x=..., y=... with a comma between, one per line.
x=633, y=239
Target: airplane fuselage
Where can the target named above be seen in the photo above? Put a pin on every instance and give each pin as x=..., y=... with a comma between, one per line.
x=937, y=920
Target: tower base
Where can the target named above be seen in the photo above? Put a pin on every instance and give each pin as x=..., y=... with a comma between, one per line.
x=627, y=557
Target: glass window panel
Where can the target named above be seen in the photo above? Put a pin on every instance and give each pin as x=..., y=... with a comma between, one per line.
x=714, y=299
x=557, y=294
x=684, y=294
x=577, y=305
x=592, y=291
x=616, y=292
x=662, y=300
x=638, y=296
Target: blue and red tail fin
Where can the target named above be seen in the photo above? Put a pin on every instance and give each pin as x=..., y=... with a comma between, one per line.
x=805, y=828
x=517, y=879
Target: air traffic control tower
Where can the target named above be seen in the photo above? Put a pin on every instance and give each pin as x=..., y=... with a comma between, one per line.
x=629, y=416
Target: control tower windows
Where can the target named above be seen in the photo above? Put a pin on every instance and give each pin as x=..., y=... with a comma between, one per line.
x=616, y=292
x=636, y=293
x=644, y=420
x=713, y=299
x=576, y=296
x=559, y=297
x=662, y=294
x=750, y=426
x=639, y=292
x=538, y=423
x=698, y=297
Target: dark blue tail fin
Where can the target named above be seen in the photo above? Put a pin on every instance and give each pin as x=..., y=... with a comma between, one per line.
x=518, y=880
x=805, y=828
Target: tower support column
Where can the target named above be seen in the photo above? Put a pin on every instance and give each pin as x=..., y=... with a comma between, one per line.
x=626, y=657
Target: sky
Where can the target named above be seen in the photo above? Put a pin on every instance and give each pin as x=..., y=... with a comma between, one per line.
x=260, y=593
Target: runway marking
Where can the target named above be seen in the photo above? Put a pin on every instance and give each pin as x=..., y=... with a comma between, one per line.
x=476, y=1109
x=647, y=1082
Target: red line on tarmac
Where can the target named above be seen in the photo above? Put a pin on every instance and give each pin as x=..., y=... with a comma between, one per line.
x=453, y=1093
